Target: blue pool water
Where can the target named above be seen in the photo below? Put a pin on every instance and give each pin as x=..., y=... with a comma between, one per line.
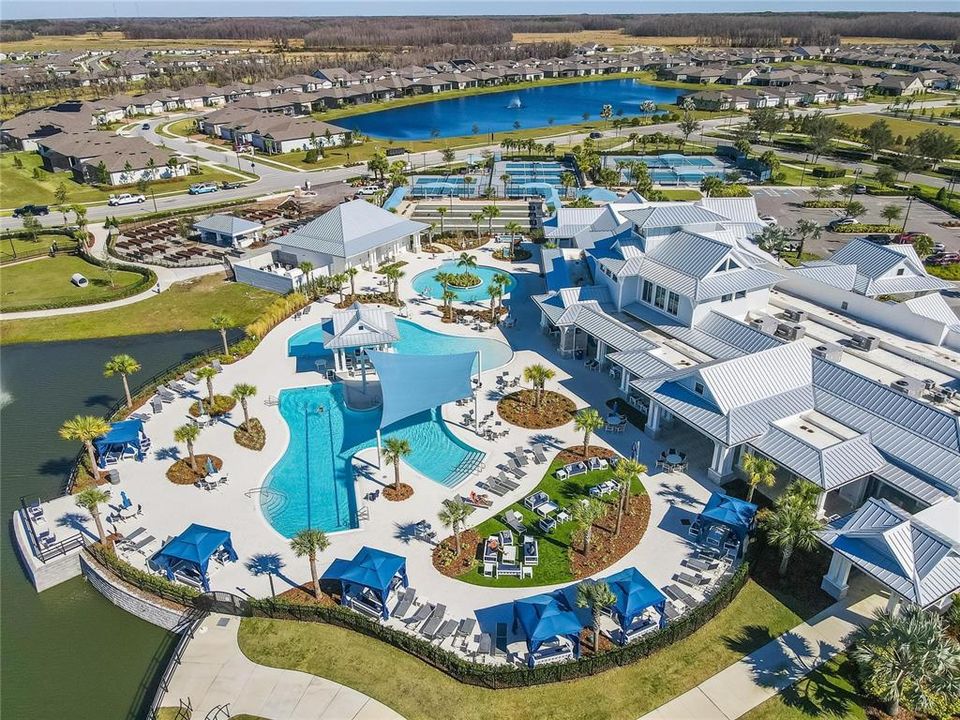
x=538, y=105
x=312, y=485
x=425, y=283
x=307, y=345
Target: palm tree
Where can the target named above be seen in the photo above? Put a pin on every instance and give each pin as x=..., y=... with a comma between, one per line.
x=598, y=597
x=908, y=656
x=448, y=296
x=588, y=421
x=760, y=471
x=494, y=291
x=308, y=542
x=395, y=449
x=492, y=212
x=500, y=279
x=626, y=471
x=124, y=366
x=397, y=274
x=477, y=218
x=441, y=211
x=337, y=280
x=567, y=180
x=242, y=392
x=890, y=213
x=584, y=515
x=467, y=261
x=188, y=434
x=90, y=500
x=452, y=515
x=222, y=322
x=793, y=523
x=207, y=373
x=807, y=230
x=351, y=273
x=537, y=375
x=86, y=429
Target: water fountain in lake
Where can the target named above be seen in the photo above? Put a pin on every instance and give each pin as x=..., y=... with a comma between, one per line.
x=514, y=103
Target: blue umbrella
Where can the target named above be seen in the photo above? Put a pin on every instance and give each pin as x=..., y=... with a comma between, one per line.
x=124, y=500
x=211, y=470
x=200, y=407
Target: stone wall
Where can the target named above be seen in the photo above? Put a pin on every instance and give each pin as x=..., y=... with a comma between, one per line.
x=134, y=601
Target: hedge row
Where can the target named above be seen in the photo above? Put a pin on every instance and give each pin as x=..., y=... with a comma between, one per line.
x=825, y=203
x=148, y=582
x=864, y=228
x=500, y=676
x=275, y=313
x=164, y=214
x=823, y=172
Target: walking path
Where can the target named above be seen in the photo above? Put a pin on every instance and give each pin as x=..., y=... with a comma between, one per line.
x=214, y=672
x=772, y=668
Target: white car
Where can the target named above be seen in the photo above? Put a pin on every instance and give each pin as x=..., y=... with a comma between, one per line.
x=769, y=219
x=368, y=190
x=125, y=199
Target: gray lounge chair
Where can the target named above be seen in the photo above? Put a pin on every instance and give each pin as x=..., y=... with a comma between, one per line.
x=215, y=364
x=520, y=456
x=422, y=613
x=432, y=626
x=466, y=627
x=538, y=454
x=156, y=404
x=486, y=644
x=406, y=602
x=512, y=519
x=507, y=482
x=166, y=394
x=446, y=630
x=191, y=377
x=493, y=485
x=139, y=547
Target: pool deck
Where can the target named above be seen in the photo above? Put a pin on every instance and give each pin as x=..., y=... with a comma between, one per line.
x=168, y=509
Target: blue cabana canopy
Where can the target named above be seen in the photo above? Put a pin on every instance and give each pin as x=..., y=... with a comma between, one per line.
x=413, y=383
x=194, y=547
x=634, y=595
x=548, y=616
x=123, y=435
x=370, y=568
x=736, y=514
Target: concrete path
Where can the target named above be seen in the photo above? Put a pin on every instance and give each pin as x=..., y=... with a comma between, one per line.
x=772, y=668
x=214, y=672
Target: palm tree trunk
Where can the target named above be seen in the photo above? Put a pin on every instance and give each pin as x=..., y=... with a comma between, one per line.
x=396, y=475
x=126, y=391
x=785, y=560
x=353, y=289
x=210, y=389
x=93, y=461
x=586, y=442
x=223, y=337
x=313, y=576
x=586, y=539
x=616, y=531
x=596, y=635
x=193, y=459
x=456, y=538
x=96, y=519
x=750, y=492
x=246, y=416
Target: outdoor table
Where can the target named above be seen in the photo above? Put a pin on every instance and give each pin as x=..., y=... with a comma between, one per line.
x=468, y=319
x=673, y=459
x=510, y=554
x=202, y=420
x=614, y=419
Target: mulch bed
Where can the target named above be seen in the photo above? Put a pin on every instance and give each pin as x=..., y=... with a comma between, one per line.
x=221, y=405
x=303, y=595
x=392, y=494
x=519, y=409
x=445, y=558
x=381, y=298
x=180, y=473
x=605, y=549
x=574, y=453
x=586, y=643
x=251, y=435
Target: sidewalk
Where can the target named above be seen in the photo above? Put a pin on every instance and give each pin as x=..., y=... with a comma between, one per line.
x=775, y=666
x=214, y=672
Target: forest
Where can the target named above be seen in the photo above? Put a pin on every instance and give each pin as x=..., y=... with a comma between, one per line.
x=387, y=33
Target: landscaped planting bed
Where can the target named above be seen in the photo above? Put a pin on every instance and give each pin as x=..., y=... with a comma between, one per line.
x=520, y=409
x=180, y=473
x=251, y=435
x=221, y=405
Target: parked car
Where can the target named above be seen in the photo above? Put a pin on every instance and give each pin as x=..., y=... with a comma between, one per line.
x=230, y=185
x=946, y=258
x=125, y=199
x=145, y=126
x=878, y=238
x=31, y=210
x=860, y=189
x=368, y=190
x=938, y=248
x=840, y=222
x=907, y=238
x=769, y=219
x=202, y=188
x=595, y=135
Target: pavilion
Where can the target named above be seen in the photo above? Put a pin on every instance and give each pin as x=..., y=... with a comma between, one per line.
x=124, y=436
x=187, y=556
x=635, y=594
x=357, y=329
x=549, y=617
x=735, y=514
x=372, y=574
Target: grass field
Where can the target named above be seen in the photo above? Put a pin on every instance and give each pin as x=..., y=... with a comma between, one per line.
x=47, y=281
x=418, y=692
x=184, y=306
x=15, y=248
x=682, y=194
x=898, y=126
x=827, y=692
x=18, y=186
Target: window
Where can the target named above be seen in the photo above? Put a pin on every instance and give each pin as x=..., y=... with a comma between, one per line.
x=844, y=305
x=726, y=298
x=673, y=303
x=740, y=294
x=698, y=388
x=899, y=271
x=661, y=297
x=647, y=291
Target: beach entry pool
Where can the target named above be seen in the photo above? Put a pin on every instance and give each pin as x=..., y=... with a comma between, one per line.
x=424, y=283
x=312, y=485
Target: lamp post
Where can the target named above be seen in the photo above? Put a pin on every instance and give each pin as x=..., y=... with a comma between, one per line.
x=906, y=215
x=803, y=171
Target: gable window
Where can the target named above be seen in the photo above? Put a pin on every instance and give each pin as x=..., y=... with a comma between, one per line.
x=647, y=291
x=660, y=297
x=899, y=271
x=698, y=388
x=673, y=303
x=740, y=294
x=726, y=298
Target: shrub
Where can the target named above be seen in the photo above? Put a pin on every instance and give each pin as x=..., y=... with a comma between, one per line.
x=823, y=172
x=275, y=313
x=148, y=582
x=824, y=203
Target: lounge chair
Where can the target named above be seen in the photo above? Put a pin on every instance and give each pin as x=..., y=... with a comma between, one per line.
x=479, y=500
x=538, y=454
x=513, y=469
x=215, y=364
x=422, y=613
x=166, y=394
x=156, y=405
x=520, y=456
x=493, y=485
x=139, y=547
x=180, y=388
x=514, y=520
x=507, y=482
x=191, y=377
x=531, y=550
x=688, y=579
x=432, y=625
x=538, y=498
x=509, y=570
x=446, y=630
x=406, y=602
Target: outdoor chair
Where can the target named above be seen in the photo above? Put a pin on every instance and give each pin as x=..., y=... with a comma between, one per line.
x=191, y=378
x=180, y=388
x=433, y=623
x=156, y=405
x=446, y=630
x=688, y=579
x=547, y=525
x=406, y=602
x=513, y=520
x=538, y=454
x=422, y=613
x=140, y=546
x=538, y=498
x=493, y=485
x=489, y=569
x=35, y=510
x=519, y=456
x=215, y=364
x=466, y=628
x=561, y=474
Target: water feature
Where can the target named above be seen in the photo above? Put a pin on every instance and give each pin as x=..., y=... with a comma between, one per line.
x=537, y=106
x=426, y=283
x=55, y=643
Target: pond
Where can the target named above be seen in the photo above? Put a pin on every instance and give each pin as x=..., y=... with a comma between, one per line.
x=52, y=641
x=530, y=107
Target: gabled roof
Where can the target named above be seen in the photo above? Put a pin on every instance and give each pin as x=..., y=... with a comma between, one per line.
x=915, y=560
x=589, y=317
x=227, y=225
x=933, y=306
x=362, y=325
x=874, y=261
x=673, y=215
x=350, y=229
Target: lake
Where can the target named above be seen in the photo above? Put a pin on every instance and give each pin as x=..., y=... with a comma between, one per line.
x=493, y=112
x=68, y=652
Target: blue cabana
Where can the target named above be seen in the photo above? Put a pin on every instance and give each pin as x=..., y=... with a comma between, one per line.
x=375, y=570
x=124, y=435
x=189, y=553
x=634, y=595
x=736, y=514
x=548, y=617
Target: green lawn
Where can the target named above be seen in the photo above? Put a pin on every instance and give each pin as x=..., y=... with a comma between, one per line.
x=419, y=692
x=898, y=126
x=181, y=128
x=554, y=566
x=14, y=248
x=827, y=692
x=19, y=187
x=47, y=282
x=185, y=306
x=682, y=194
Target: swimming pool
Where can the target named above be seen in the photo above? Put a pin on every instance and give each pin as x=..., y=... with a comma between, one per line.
x=312, y=485
x=307, y=345
x=425, y=283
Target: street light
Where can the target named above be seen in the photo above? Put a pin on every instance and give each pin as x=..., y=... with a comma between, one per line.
x=803, y=171
x=906, y=215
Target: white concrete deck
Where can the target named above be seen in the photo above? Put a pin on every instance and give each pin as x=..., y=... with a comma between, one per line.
x=168, y=509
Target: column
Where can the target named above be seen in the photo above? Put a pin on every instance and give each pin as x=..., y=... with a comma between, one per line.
x=893, y=604
x=625, y=379
x=721, y=466
x=835, y=581
x=544, y=322
x=652, y=428
x=821, y=503
x=600, y=351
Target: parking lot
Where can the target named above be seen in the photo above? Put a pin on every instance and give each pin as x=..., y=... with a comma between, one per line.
x=785, y=204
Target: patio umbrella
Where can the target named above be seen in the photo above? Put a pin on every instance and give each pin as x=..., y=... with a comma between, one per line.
x=200, y=407
x=211, y=470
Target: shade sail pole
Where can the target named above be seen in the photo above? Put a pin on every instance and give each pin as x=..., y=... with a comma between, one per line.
x=476, y=399
x=363, y=370
x=379, y=464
